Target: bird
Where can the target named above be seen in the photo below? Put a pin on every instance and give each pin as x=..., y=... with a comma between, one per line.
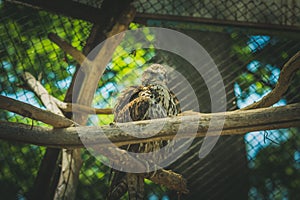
x=150, y=100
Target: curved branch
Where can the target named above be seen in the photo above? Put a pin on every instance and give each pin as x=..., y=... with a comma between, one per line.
x=282, y=85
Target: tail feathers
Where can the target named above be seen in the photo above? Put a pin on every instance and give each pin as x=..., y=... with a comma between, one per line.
x=118, y=191
x=135, y=183
x=118, y=186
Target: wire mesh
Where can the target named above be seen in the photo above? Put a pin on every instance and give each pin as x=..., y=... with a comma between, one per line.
x=266, y=162
x=256, y=11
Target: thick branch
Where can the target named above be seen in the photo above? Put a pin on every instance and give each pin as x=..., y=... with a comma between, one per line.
x=71, y=160
x=33, y=112
x=94, y=72
x=282, y=85
x=236, y=122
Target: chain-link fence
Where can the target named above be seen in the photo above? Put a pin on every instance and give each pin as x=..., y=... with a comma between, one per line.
x=258, y=165
x=255, y=11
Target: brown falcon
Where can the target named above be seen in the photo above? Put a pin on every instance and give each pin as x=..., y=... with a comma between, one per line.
x=148, y=101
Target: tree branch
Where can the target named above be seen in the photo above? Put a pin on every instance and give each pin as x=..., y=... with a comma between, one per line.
x=77, y=108
x=33, y=112
x=281, y=86
x=94, y=72
x=52, y=103
x=41, y=93
x=235, y=123
x=66, y=47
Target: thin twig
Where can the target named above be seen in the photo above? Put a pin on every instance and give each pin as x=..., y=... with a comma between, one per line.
x=77, y=108
x=66, y=47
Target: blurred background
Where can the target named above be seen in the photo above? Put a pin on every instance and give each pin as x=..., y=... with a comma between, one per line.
x=249, y=41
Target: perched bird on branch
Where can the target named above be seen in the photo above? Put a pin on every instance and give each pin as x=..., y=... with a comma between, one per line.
x=151, y=100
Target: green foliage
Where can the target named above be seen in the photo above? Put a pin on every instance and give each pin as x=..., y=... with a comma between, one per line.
x=26, y=47
x=19, y=165
x=276, y=171
x=93, y=178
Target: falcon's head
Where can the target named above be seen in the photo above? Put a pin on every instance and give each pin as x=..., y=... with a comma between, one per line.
x=155, y=74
